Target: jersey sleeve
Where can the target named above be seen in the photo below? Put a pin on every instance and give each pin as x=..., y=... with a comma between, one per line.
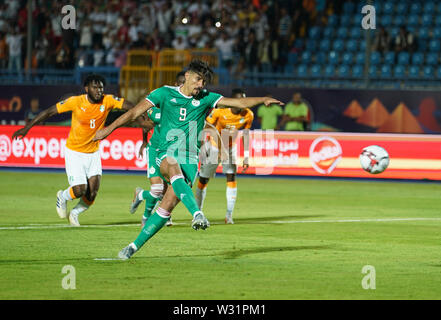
x=67, y=105
x=249, y=119
x=154, y=114
x=214, y=115
x=114, y=102
x=213, y=98
x=155, y=97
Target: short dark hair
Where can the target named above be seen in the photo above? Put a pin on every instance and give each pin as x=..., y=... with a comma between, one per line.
x=94, y=78
x=237, y=91
x=180, y=74
x=202, y=68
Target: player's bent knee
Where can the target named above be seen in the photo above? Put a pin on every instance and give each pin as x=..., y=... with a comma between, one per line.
x=157, y=190
x=79, y=190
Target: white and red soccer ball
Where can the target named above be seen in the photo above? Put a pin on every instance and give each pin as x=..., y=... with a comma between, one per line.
x=374, y=159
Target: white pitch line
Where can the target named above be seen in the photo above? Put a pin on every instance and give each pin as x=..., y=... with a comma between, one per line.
x=61, y=226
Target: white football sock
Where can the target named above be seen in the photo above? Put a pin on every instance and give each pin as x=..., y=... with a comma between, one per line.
x=200, y=196
x=66, y=195
x=79, y=208
x=231, y=199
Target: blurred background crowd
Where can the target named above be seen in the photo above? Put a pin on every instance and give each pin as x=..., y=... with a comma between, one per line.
x=250, y=34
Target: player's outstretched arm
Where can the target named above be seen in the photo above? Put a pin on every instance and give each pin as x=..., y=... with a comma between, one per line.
x=126, y=117
x=247, y=102
x=42, y=116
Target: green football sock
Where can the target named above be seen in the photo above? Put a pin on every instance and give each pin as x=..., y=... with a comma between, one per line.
x=152, y=225
x=150, y=203
x=185, y=194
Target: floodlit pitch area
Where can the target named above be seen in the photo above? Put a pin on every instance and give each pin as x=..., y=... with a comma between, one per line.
x=292, y=239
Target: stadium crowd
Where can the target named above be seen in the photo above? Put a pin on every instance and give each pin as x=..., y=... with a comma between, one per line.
x=249, y=35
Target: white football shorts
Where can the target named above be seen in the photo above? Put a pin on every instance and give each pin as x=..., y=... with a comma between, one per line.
x=210, y=160
x=81, y=166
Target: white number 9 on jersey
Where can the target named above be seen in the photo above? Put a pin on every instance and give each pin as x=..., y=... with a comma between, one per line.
x=92, y=123
x=183, y=113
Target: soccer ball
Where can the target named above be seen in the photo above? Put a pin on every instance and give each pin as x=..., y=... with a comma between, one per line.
x=374, y=159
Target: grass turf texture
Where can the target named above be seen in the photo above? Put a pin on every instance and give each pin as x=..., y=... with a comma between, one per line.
x=273, y=251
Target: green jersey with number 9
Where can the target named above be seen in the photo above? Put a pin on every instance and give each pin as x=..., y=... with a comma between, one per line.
x=182, y=120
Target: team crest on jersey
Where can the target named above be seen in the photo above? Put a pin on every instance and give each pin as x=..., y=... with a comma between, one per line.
x=102, y=108
x=242, y=120
x=117, y=98
x=196, y=103
x=152, y=170
x=150, y=111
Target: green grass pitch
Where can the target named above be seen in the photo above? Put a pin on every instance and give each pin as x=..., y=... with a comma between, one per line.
x=293, y=239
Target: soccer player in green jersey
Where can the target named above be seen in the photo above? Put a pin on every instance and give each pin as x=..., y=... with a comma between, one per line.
x=183, y=113
x=157, y=185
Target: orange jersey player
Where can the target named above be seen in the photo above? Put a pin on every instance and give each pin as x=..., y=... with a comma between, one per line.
x=82, y=156
x=221, y=148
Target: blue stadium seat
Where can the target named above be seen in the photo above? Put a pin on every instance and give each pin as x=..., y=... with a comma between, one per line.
x=439, y=8
x=292, y=57
x=311, y=45
x=360, y=58
x=423, y=33
x=386, y=71
x=333, y=57
x=302, y=70
x=355, y=33
x=399, y=72
x=329, y=71
x=299, y=43
x=413, y=20
x=434, y=45
x=414, y=72
x=342, y=32
x=415, y=8
x=389, y=57
x=345, y=20
x=348, y=7
x=401, y=8
x=358, y=71
x=314, y=32
x=386, y=21
x=343, y=71
x=338, y=45
x=347, y=58
x=362, y=45
x=372, y=72
x=320, y=58
x=306, y=57
x=332, y=20
x=375, y=58
x=418, y=58
x=351, y=45
x=437, y=20
x=393, y=32
x=427, y=20
x=428, y=73
x=400, y=20
x=432, y=58
x=429, y=7
x=388, y=7
x=436, y=33
x=328, y=32
x=288, y=69
x=316, y=71
x=403, y=58
x=356, y=19
x=325, y=45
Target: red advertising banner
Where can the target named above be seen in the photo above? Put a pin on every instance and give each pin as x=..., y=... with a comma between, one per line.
x=412, y=156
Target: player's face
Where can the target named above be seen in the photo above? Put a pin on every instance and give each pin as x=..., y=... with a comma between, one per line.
x=194, y=82
x=238, y=95
x=95, y=91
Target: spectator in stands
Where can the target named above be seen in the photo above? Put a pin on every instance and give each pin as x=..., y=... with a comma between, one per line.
x=405, y=41
x=62, y=56
x=296, y=114
x=14, y=42
x=3, y=51
x=268, y=116
x=381, y=41
x=225, y=46
x=179, y=43
x=42, y=47
x=33, y=111
x=251, y=53
x=86, y=35
x=266, y=53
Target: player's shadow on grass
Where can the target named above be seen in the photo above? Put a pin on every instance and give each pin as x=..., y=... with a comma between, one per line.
x=233, y=254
